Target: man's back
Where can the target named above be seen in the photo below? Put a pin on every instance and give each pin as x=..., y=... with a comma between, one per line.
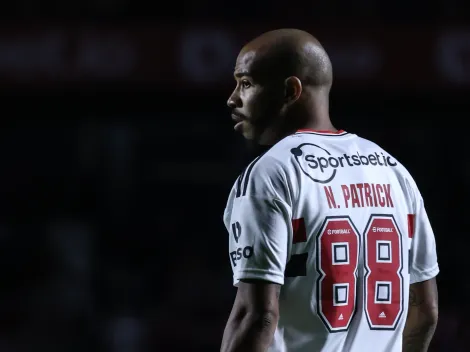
x=357, y=230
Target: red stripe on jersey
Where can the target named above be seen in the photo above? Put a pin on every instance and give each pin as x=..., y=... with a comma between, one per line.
x=299, y=231
x=411, y=225
x=317, y=131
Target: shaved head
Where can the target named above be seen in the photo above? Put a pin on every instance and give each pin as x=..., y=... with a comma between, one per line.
x=283, y=84
x=289, y=52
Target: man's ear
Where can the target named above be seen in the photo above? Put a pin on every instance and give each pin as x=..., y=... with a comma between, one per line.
x=293, y=89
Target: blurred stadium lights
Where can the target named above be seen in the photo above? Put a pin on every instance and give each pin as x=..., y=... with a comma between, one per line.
x=193, y=56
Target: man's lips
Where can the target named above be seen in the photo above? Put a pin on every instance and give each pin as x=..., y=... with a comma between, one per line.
x=237, y=117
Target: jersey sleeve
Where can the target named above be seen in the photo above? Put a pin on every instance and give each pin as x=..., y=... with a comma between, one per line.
x=260, y=227
x=423, y=254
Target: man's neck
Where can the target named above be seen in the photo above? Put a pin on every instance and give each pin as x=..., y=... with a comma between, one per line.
x=323, y=124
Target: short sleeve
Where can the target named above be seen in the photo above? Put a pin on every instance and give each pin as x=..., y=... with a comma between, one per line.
x=260, y=228
x=423, y=254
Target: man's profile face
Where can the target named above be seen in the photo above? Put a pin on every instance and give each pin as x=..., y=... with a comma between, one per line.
x=256, y=101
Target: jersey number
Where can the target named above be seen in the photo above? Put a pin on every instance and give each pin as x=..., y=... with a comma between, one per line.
x=338, y=246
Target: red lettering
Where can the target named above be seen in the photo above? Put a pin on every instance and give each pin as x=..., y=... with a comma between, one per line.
x=363, y=195
x=346, y=194
x=380, y=196
x=354, y=197
x=367, y=194
x=338, y=255
x=360, y=187
x=374, y=195
x=388, y=195
x=383, y=281
x=338, y=252
x=330, y=197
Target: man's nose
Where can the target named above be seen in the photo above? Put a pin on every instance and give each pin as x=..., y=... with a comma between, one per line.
x=233, y=101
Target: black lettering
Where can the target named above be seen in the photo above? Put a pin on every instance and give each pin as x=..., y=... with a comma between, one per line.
x=333, y=162
x=385, y=159
x=356, y=160
x=236, y=230
x=247, y=252
x=233, y=257
x=364, y=160
x=239, y=253
x=390, y=162
x=347, y=159
x=311, y=159
x=323, y=163
x=378, y=159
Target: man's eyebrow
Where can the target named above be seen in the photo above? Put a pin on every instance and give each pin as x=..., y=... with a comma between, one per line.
x=241, y=74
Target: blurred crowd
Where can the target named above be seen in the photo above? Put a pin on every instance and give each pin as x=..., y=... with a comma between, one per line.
x=214, y=10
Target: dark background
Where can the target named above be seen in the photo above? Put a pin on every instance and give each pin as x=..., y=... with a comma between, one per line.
x=118, y=153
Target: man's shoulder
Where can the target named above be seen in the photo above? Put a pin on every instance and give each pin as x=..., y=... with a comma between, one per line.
x=367, y=144
x=266, y=175
x=402, y=173
x=269, y=165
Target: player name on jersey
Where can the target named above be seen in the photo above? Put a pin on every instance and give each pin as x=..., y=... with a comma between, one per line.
x=359, y=195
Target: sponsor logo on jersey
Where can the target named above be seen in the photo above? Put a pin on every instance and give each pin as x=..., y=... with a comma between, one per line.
x=321, y=166
x=236, y=231
x=239, y=253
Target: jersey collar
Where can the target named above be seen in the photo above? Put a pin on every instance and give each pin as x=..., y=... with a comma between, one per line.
x=326, y=133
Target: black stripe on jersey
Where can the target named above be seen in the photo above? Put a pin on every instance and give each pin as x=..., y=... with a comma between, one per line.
x=245, y=176
x=297, y=265
x=239, y=184
x=248, y=172
x=324, y=134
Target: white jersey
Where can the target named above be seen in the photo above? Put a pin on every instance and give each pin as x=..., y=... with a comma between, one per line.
x=341, y=225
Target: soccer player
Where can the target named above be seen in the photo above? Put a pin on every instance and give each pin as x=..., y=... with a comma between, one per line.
x=329, y=241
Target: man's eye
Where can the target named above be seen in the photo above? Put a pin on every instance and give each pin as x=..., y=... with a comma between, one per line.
x=246, y=84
